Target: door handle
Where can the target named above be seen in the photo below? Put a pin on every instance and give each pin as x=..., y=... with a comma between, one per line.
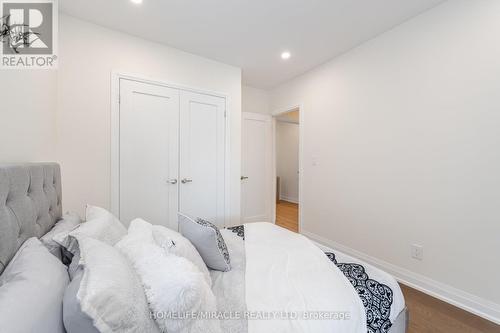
x=244, y=178
x=172, y=181
x=185, y=180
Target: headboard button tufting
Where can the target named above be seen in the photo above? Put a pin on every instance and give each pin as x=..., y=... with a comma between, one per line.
x=26, y=188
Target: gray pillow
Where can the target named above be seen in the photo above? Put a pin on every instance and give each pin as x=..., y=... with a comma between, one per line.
x=75, y=320
x=68, y=222
x=31, y=291
x=208, y=240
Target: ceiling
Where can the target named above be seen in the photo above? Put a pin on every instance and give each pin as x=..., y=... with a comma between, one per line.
x=251, y=34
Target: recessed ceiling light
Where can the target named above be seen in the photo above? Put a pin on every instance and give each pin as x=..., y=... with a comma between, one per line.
x=285, y=55
x=137, y=2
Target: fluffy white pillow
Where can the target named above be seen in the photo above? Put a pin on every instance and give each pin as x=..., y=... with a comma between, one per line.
x=142, y=229
x=173, y=286
x=110, y=291
x=31, y=291
x=172, y=242
x=110, y=230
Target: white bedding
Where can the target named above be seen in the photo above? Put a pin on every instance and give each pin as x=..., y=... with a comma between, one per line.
x=229, y=287
x=279, y=270
x=287, y=272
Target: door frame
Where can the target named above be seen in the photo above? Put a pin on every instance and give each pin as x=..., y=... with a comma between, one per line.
x=115, y=136
x=269, y=174
x=301, y=157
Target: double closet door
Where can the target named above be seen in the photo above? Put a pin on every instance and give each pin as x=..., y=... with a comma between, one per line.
x=171, y=154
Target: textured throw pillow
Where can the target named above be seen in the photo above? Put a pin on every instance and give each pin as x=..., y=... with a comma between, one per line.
x=174, y=287
x=109, y=229
x=141, y=228
x=173, y=242
x=208, y=240
x=65, y=225
x=110, y=292
x=31, y=291
x=100, y=225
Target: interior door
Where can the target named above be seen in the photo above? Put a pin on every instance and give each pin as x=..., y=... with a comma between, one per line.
x=202, y=156
x=149, y=153
x=256, y=186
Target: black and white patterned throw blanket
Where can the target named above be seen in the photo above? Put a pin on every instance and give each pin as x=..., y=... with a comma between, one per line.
x=377, y=297
x=239, y=230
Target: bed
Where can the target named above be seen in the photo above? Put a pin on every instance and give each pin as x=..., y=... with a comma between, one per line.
x=378, y=292
x=273, y=271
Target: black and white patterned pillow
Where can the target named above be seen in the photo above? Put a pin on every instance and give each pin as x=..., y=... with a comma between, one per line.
x=208, y=240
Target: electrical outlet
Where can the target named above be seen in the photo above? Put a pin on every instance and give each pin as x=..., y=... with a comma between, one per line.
x=417, y=252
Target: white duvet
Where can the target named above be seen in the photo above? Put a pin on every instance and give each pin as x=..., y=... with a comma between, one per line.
x=291, y=286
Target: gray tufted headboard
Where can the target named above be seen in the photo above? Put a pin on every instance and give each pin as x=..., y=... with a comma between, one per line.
x=30, y=204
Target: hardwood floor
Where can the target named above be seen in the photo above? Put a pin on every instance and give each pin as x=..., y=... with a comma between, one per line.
x=427, y=314
x=287, y=215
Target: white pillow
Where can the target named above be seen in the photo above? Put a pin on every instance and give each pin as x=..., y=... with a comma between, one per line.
x=110, y=291
x=110, y=231
x=68, y=222
x=172, y=242
x=141, y=228
x=31, y=291
x=100, y=225
x=173, y=286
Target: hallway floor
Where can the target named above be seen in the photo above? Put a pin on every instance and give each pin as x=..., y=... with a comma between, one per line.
x=287, y=215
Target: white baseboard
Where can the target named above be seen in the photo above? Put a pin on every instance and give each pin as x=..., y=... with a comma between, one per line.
x=289, y=199
x=464, y=300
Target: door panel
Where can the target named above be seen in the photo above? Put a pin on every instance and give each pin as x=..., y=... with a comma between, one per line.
x=202, y=156
x=149, y=153
x=256, y=165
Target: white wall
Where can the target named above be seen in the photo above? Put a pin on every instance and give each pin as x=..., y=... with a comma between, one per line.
x=27, y=116
x=287, y=160
x=88, y=55
x=255, y=100
x=405, y=132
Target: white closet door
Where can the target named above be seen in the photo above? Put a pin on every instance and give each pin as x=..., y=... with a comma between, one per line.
x=202, y=156
x=149, y=153
x=256, y=182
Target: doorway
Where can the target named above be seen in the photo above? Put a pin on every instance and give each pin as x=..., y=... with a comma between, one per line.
x=287, y=168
